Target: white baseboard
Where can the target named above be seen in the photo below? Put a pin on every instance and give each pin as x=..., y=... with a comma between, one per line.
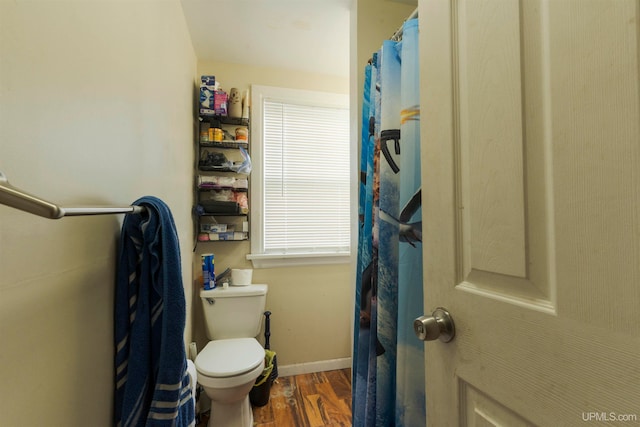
x=309, y=367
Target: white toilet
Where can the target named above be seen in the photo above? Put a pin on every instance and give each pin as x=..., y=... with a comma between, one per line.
x=230, y=363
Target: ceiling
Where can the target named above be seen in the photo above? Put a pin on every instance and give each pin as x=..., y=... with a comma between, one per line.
x=307, y=35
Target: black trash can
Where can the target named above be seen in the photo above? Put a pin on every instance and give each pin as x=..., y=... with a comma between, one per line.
x=259, y=394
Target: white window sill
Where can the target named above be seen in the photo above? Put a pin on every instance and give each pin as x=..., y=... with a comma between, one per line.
x=295, y=260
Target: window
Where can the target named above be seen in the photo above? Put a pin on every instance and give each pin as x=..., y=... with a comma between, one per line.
x=300, y=189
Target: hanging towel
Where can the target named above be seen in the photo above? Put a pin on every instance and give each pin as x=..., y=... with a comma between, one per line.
x=152, y=382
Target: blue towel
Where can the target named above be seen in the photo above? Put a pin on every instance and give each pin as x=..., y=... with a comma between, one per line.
x=152, y=383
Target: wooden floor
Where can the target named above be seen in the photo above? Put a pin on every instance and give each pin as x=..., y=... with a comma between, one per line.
x=321, y=399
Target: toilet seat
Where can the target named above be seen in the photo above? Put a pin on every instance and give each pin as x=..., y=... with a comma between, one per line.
x=229, y=357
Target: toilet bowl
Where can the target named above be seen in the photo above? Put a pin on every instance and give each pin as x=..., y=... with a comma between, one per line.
x=230, y=363
x=227, y=370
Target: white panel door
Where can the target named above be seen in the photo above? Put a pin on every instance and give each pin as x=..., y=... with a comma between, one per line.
x=531, y=210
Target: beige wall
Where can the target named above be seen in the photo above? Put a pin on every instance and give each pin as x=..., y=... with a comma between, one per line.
x=311, y=306
x=96, y=106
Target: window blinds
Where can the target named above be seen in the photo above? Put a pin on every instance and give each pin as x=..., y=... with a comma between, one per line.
x=306, y=178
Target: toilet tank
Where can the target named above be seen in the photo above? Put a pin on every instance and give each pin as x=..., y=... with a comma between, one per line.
x=234, y=312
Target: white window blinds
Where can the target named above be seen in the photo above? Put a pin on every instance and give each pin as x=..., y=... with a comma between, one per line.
x=305, y=178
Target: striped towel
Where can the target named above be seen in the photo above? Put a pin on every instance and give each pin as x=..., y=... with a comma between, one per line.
x=152, y=383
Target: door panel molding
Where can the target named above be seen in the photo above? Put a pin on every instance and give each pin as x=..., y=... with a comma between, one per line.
x=477, y=409
x=508, y=289
x=504, y=226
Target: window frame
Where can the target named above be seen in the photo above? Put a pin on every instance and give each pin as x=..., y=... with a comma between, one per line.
x=258, y=257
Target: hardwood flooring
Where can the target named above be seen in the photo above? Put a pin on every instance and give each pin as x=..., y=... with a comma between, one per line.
x=320, y=399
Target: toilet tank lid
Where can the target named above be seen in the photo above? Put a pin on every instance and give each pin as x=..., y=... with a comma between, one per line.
x=235, y=291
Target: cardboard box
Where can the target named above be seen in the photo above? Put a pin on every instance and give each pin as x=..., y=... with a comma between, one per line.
x=213, y=228
x=220, y=102
x=207, y=100
x=228, y=235
x=208, y=88
x=208, y=81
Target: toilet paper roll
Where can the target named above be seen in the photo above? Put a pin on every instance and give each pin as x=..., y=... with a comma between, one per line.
x=193, y=351
x=241, y=276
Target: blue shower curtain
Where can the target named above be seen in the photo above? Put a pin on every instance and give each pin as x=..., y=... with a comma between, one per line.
x=388, y=362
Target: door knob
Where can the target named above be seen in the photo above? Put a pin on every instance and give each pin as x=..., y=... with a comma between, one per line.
x=437, y=326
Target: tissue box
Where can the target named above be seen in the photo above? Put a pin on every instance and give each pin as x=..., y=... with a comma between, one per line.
x=220, y=102
x=227, y=235
x=207, y=100
x=208, y=88
x=213, y=228
x=213, y=102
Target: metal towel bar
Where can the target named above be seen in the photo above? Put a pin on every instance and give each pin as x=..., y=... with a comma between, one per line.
x=15, y=198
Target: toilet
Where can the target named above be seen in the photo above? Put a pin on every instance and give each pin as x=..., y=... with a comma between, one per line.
x=230, y=363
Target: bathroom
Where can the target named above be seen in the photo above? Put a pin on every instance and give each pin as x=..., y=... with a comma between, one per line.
x=98, y=108
x=82, y=121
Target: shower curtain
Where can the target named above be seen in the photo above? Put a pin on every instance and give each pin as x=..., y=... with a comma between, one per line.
x=388, y=360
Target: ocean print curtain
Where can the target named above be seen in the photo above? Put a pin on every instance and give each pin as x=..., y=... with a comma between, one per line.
x=388, y=362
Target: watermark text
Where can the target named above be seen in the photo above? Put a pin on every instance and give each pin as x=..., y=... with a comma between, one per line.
x=608, y=416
